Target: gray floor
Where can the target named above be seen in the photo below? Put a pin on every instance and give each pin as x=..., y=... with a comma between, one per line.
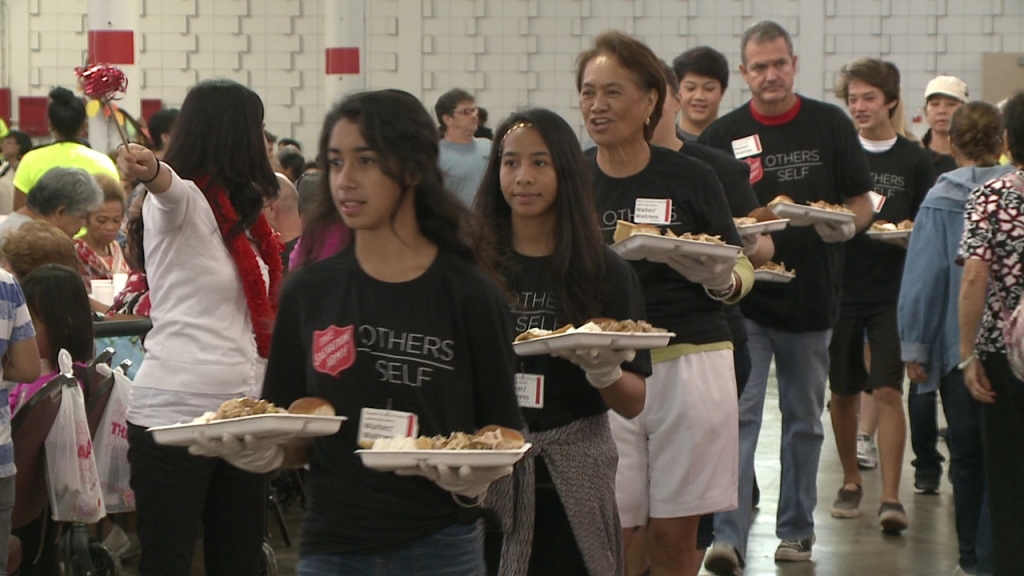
x=851, y=547
x=844, y=547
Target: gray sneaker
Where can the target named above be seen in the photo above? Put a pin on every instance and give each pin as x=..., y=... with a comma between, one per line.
x=794, y=550
x=893, y=518
x=847, y=503
x=724, y=560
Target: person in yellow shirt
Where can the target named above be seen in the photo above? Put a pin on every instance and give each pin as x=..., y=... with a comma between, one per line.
x=66, y=113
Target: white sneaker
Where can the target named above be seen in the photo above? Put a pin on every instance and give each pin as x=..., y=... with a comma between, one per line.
x=867, y=452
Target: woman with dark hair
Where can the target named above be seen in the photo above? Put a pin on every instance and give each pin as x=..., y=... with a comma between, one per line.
x=679, y=458
x=213, y=266
x=98, y=248
x=13, y=146
x=990, y=295
x=403, y=326
x=66, y=113
x=536, y=195
x=927, y=315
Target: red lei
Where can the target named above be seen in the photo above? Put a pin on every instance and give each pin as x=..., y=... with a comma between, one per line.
x=261, y=301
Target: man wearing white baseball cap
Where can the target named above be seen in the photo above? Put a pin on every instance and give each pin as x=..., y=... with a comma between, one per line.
x=942, y=96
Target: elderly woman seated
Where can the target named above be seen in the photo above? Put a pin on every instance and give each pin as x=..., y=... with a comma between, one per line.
x=63, y=197
x=36, y=243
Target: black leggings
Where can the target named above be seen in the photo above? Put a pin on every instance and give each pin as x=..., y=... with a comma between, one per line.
x=1003, y=437
x=176, y=492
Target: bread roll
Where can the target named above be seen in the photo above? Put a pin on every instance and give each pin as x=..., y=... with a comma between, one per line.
x=763, y=214
x=779, y=199
x=510, y=439
x=312, y=406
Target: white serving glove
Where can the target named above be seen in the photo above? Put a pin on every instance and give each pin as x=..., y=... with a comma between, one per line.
x=468, y=481
x=750, y=243
x=602, y=365
x=714, y=274
x=835, y=231
x=252, y=454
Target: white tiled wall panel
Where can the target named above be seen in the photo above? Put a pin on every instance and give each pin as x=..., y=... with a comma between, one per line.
x=510, y=53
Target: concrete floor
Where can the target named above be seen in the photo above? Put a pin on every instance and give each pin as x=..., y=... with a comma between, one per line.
x=844, y=547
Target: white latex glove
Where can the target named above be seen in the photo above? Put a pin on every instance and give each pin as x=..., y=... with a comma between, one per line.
x=256, y=455
x=750, y=243
x=713, y=273
x=835, y=231
x=603, y=366
x=468, y=481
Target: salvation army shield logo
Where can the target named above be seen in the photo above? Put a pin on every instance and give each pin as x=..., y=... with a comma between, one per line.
x=334, y=349
x=756, y=169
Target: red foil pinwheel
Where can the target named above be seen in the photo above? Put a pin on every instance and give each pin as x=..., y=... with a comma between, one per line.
x=104, y=83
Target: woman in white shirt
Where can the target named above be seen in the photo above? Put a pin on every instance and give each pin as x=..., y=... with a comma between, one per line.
x=213, y=266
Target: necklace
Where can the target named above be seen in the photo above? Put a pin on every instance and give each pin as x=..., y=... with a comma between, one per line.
x=261, y=300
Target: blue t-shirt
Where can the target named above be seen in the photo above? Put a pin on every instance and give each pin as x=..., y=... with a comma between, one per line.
x=463, y=166
x=15, y=326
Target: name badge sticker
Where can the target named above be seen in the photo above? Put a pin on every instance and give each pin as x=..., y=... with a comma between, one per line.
x=530, y=390
x=653, y=211
x=375, y=423
x=744, y=147
x=877, y=200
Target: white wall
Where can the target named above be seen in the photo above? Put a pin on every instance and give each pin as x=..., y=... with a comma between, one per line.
x=509, y=53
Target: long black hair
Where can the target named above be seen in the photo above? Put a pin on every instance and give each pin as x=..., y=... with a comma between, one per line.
x=577, y=266
x=219, y=134
x=398, y=128
x=56, y=297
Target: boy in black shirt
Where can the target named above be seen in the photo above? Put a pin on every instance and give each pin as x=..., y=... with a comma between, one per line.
x=902, y=175
x=807, y=150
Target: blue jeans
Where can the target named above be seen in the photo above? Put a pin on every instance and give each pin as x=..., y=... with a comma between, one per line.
x=967, y=474
x=455, y=551
x=801, y=367
x=924, y=434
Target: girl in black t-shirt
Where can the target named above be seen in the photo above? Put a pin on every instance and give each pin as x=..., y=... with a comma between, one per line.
x=536, y=195
x=402, y=321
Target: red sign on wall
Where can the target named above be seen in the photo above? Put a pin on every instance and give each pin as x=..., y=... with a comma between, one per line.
x=32, y=115
x=342, y=60
x=5, y=105
x=111, y=47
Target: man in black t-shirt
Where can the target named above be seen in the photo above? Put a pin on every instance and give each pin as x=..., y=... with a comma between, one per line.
x=808, y=151
x=902, y=175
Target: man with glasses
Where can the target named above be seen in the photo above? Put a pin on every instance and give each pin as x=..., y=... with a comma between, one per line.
x=463, y=157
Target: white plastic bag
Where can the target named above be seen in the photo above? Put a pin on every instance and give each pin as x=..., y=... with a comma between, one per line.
x=111, y=446
x=74, y=484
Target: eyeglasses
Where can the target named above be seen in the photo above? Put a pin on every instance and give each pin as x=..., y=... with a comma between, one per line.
x=467, y=111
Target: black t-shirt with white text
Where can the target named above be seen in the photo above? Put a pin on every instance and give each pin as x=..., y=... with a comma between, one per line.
x=814, y=156
x=438, y=346
x=698, y=206
x=567, y=394
x=734, y=176
x=872, y=269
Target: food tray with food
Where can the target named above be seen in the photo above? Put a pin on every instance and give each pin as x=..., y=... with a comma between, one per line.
x=491, y=446
x=882, y=230
x=598, y=333
x=808, y=214
x=746, y=229
x=305, y=418
x=639, y=241
x=774, y=272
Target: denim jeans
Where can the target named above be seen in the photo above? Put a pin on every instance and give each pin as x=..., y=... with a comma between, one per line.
x=924, y=434
x=801, y=367
x=455, y=551
x=967, y=474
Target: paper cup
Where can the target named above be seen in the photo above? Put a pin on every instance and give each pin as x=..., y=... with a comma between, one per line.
x=103, y=291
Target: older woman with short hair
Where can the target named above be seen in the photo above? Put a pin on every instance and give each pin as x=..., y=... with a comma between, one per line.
x=63, y=197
